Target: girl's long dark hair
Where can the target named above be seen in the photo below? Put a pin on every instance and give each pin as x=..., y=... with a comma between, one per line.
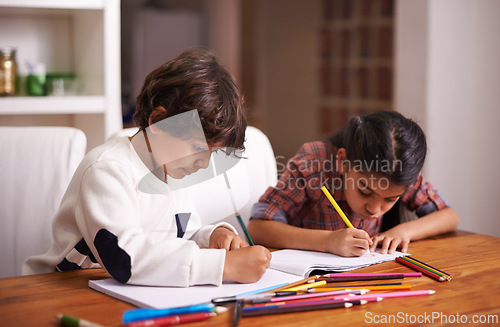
x=385, y=143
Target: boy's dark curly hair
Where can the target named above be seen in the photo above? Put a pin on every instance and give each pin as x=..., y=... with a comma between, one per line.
x=195, y=80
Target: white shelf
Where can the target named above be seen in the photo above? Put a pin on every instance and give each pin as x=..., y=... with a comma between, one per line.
x=76, y=36
x=52, y=105
x=54, y=4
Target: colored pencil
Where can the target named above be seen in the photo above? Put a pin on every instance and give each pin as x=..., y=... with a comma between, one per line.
x=263, y=290
x=172, y=320
x=337, y=207
x=413, y=274
x=324, y=299
x=386, y=295
x=372, y=288
x=238, y=217
x=316, y=295
x=67, y=321
x=437, y=271
x=359, y=285
x=426, y=272
x=424, y=266
x=339, y=210
x=360, y=278
x=290, y=285
x=306, y=286
x=259, y=311
x=330, y=299
x=149, y=313
x=238, y=309
x=306, y=302
x=251, y=297
x=244, y=228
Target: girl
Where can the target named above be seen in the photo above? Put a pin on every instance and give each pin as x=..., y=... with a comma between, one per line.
x=372, y=169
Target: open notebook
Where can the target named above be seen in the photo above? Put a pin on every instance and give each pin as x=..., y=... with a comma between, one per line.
x=302, y=263
x=286, y=266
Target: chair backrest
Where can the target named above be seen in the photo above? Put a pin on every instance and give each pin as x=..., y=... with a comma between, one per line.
x=248, y=179
x=36, y=166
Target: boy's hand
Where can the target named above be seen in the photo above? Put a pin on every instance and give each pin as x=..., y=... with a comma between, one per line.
x=224, y=238
x=392, y=239
x=348, y=242
x=246, y=265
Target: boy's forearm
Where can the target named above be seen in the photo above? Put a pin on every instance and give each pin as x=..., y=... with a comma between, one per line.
x=438, y=222
x=275, y=234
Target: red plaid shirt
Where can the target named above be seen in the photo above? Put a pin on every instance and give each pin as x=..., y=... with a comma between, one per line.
x=298, y=194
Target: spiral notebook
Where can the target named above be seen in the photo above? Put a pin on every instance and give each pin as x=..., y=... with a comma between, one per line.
x=287, y=266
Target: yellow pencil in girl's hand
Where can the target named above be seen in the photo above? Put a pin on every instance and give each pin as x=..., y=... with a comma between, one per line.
x=337, y=207
x=339, y=210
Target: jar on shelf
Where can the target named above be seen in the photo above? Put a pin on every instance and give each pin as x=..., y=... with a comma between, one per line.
x=8, y=71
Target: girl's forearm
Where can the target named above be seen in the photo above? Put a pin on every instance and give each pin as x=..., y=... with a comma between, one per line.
x=438, y=222
x=275, y=234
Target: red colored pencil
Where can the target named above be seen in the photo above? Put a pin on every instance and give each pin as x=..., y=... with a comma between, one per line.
x=422, y=270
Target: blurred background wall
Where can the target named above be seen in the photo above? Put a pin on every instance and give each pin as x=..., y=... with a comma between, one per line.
x=307, y=66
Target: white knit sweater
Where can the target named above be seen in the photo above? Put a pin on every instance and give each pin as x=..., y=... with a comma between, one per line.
x=105, y=220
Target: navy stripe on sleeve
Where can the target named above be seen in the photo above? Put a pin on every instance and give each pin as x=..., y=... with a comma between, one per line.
x=116, y=261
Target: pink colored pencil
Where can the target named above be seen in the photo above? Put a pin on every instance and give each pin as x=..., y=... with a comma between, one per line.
x=415, y=274
x=312, y=295
x=385, y=295
x=328, y=298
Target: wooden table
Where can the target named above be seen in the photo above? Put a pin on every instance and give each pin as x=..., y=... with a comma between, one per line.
x=474, y=293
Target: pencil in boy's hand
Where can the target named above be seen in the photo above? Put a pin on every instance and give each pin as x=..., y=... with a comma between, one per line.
x=337, y=207
x=238, y=217
x=244, y=228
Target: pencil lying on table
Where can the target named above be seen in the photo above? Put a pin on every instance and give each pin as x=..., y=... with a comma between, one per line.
x=424, y=269
x=385, y=295
x=428, y=266
x=297, y=283
x=344, y=275
x=360, y=278
x=286, y=308
x=371, y=288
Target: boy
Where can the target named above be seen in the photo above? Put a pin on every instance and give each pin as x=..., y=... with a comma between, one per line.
x=121, y=213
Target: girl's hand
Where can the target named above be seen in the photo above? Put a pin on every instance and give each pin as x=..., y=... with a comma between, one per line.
x=390, y=240
x=348, y=242
x=224, y=238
